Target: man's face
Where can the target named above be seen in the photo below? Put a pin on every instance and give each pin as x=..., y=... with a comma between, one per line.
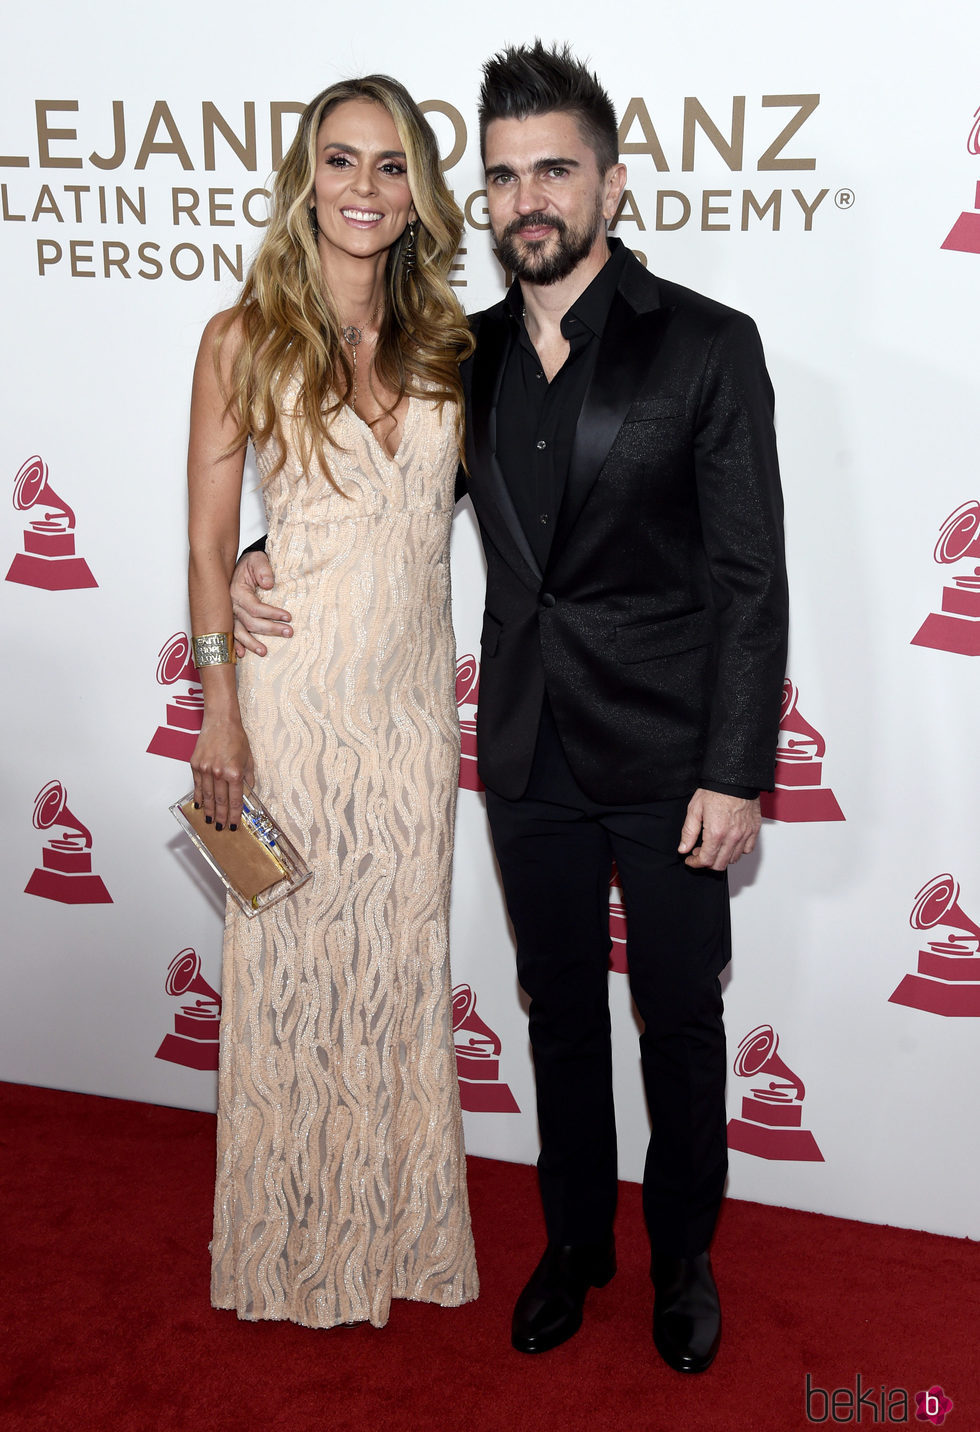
x=547, y=200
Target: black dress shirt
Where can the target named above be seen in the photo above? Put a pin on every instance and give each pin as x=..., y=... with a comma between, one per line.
x=536, y=419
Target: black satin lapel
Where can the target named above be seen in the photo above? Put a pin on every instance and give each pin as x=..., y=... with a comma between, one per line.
x=627, y=350
x=488, y=367
x=511, y=521
x=487, y=487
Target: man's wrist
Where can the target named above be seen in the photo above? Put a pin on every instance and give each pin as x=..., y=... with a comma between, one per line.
x=722, y=788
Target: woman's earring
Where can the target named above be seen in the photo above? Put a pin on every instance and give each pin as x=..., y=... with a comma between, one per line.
x=314, y=226
x=408, y=252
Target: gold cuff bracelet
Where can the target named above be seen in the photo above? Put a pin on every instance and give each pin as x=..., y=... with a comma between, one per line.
x=215, y=648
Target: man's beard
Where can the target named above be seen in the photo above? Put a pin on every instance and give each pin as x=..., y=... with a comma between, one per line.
x=547, y=261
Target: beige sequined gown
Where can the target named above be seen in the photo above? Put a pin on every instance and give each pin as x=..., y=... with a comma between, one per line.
x=341, y=1182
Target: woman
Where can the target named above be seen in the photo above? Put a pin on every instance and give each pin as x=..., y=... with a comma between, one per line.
x=341, y=1179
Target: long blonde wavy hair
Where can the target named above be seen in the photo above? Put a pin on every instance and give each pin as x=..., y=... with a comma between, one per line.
x=288, y=321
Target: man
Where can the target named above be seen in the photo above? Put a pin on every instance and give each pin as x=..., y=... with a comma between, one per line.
x=623, y=470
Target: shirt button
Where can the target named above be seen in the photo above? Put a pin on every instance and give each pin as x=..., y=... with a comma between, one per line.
x=548, y=599
x=543, y=519
x=539, y=375
x=541, y=444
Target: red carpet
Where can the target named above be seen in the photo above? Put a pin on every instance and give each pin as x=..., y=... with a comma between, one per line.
x=105, y=1211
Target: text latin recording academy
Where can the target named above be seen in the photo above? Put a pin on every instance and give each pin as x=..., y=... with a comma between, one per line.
x=129, y=155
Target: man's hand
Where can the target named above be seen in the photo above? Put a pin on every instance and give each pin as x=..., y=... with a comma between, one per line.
x=727, y=825
x=253, y=617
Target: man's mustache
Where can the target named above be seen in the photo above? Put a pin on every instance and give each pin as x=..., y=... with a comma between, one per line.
x=535, y=221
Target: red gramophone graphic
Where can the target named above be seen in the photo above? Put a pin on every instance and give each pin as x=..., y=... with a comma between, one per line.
x=65, y=873
x=185, y=711
x=964, y=236
x=477, y=1059
x=799, y=796
x=467, y=697
x=617, y=926
x=773, y=1112
x=48, y=559
x=947, y=980
x=957, y=626
x=194, y=1042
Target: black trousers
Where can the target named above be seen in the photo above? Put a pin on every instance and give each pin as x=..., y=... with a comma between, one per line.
x=555, y=847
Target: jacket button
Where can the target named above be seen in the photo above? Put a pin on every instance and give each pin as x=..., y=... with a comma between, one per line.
x=548, y=599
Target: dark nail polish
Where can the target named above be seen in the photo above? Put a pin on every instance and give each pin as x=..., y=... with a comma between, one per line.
x=233, y=827
x=207, y=820
x=197, y=805
x=218, y=825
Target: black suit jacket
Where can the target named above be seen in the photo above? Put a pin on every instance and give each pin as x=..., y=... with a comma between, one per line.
x=658, y=627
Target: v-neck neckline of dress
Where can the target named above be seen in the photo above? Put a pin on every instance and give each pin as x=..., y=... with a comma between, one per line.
x=389, y=457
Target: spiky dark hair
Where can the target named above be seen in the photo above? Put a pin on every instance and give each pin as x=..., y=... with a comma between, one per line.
x=525, y=80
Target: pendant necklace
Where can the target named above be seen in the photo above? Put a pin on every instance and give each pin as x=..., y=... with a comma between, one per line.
x=353, y=336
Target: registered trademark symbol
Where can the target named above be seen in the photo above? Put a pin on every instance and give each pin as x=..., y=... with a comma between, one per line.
x=844, y=198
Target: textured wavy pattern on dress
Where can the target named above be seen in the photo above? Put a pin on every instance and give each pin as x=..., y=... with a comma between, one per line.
x=341, y=1178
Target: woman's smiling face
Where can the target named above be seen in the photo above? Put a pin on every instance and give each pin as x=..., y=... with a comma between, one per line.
x=360, y=190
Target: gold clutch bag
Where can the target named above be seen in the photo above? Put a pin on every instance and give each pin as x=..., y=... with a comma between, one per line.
x=257, y=863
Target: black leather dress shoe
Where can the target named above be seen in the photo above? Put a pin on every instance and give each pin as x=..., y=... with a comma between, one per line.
x=686, y=1312
x=549, y=1311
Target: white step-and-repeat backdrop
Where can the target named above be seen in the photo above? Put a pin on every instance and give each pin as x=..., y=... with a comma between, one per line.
x=819, y=169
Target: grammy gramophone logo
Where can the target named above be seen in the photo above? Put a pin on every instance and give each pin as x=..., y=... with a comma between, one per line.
x=48, y=559
x=194, y=1042
x=772, y=1111
x=481, y=1090
x=947, y=975
x=956, y=627
x=467, y=698
x=964, y=236
x=185, y=709
x=617, y=925
x=65, y=873
x=799, y=794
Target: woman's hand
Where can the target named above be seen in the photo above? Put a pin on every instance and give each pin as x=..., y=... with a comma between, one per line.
x=221, y=762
